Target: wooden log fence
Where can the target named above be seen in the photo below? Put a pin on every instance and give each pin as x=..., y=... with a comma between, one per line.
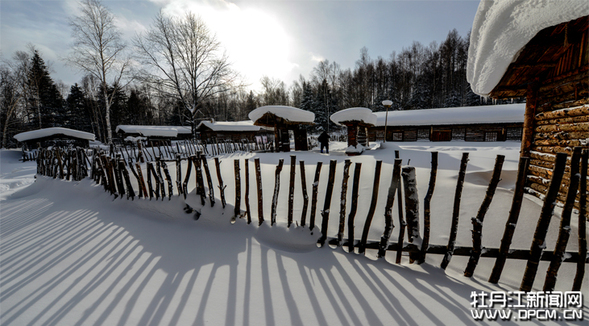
x=112, y=172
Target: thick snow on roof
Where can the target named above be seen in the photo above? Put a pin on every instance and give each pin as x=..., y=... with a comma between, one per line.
x=450, y=116
x=285, y=112
x=46, y=132
x=154, y=131
x=354, y=114
x=502, y=28
x=229, y=125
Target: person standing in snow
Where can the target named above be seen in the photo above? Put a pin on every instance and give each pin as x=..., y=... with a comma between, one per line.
x=324, y=141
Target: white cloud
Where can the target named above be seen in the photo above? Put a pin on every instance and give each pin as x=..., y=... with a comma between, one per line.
x=317, y=58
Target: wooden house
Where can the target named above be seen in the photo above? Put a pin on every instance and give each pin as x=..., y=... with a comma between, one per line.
x=227, y=130
x=284, y=119
x=540, y=53
x=475, y=123
x=55, y=136
x=154, y=134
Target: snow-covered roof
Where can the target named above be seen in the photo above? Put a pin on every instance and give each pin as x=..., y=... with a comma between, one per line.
x=154, y=131
x=509, y=113
x=229, y=125
x=502, y=28
x=47, y=132
x=354, y=114
x=288, y=113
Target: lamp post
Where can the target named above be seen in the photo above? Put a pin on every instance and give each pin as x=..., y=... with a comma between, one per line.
x=387, y=104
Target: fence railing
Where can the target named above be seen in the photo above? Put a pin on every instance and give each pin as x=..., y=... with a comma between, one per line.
x=155, y=181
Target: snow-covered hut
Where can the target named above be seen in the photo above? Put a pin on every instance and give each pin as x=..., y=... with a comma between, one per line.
x=357, y=120
x=227, y=130
x=536, y=49
x=282, y=119
x=55, y=136
x=154, y=133
x=469, y=123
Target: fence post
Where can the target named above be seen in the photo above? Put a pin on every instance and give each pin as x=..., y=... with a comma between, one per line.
x=200, y=185
x=247, y=191
x=538, y=243
x=260, y=195
x=189, y=160
x=427, y=209
x=580, y=274
x=160, y=177
x=314, y=196
x=388, y=211
x=516, y=205
x=327, y=204
x=141, y=182
x=276, y=190
x=411, y=208
x=477, y=222
x=362, y=245
x=291, y=188
x=343, y=197
x=354, y=207
x=179, y=175
x=455, y=212
x=401, y=213
x=237, y=211
x=205, y=165
x=305, y=195
x=221, y=186
x=130, y=190
x=565, y=223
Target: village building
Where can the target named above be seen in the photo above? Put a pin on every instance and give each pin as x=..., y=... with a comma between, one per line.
x=55, y=136
x=475, y=123
x=357, y=120
x=235, y=131
x=537, y=50
x=284, y=119
x=154, y=134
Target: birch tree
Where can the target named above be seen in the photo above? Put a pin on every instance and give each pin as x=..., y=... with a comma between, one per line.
x=99, y=51
x=185, y=60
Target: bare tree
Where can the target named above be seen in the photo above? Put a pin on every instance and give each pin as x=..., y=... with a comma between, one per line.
x=14, y=88
x=185, y=61
x=99, y=51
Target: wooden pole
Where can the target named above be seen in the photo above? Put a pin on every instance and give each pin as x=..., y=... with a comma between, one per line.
x=293, y=160
x=538, y=243
x=159, y=176
x=388, y=210
x=130, y=190
x=362, y=245
x=205, y=165
x=354, y=207
x=477, y=222
x=401, y=214
x=141, y=181
x=314, y=196
x=237, y=210
x=327, y=204
x=305, y=195
x=179, y=175
x=427, y=207
x=530, y=113
x=260, y=194
x=221, y=186
x=455, y=212
x=247, y=191
x=565, y=224
x=411, y=208
x=343, y=197
x=150, y=172
x=516, y=205
x=580, y=274
x=276, y=190
x=168, y=179
x=187, y=177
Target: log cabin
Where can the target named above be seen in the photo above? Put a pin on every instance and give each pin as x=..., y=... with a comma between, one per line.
x=55, y=136
x=228, y=130
x=284, y=119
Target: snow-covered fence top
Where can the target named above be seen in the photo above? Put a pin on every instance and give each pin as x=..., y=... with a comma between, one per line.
x=229, y=125
x=363, y=115
x=502, y=28
x=288, y=113
x=509, y=113
x=54, y=131
x=154, y=131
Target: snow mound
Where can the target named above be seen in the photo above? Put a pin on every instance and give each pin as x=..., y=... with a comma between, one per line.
x=46, y=132
x=293, y=239
x=229, y=125
x=502, y=28
x=285, y=112
x=358, y=149
x=354, y=114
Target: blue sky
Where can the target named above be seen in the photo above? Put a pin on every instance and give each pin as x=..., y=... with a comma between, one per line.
x=281, y=39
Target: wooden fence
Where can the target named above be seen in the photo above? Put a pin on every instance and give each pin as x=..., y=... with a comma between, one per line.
x=156, y=182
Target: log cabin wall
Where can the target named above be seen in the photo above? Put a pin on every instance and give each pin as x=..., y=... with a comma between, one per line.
x=552, y=71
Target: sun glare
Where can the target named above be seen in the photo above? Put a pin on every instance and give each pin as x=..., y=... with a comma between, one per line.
x=256, y=42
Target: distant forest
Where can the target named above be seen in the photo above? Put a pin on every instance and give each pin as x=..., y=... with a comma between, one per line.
x=419, y=77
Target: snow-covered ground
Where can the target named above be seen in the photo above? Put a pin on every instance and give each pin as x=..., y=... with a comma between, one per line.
x=71, y=255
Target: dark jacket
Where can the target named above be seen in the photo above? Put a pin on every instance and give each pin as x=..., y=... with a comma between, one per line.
x=323, y=138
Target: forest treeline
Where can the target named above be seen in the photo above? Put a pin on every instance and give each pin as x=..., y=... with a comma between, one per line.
x=418, y=77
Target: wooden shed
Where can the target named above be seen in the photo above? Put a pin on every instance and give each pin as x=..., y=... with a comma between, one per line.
x=55, y=136
x=284, y=119
x=540, y=54
x=474, y=123
x=357, y=120
x=154, y=134
x=227, y=130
